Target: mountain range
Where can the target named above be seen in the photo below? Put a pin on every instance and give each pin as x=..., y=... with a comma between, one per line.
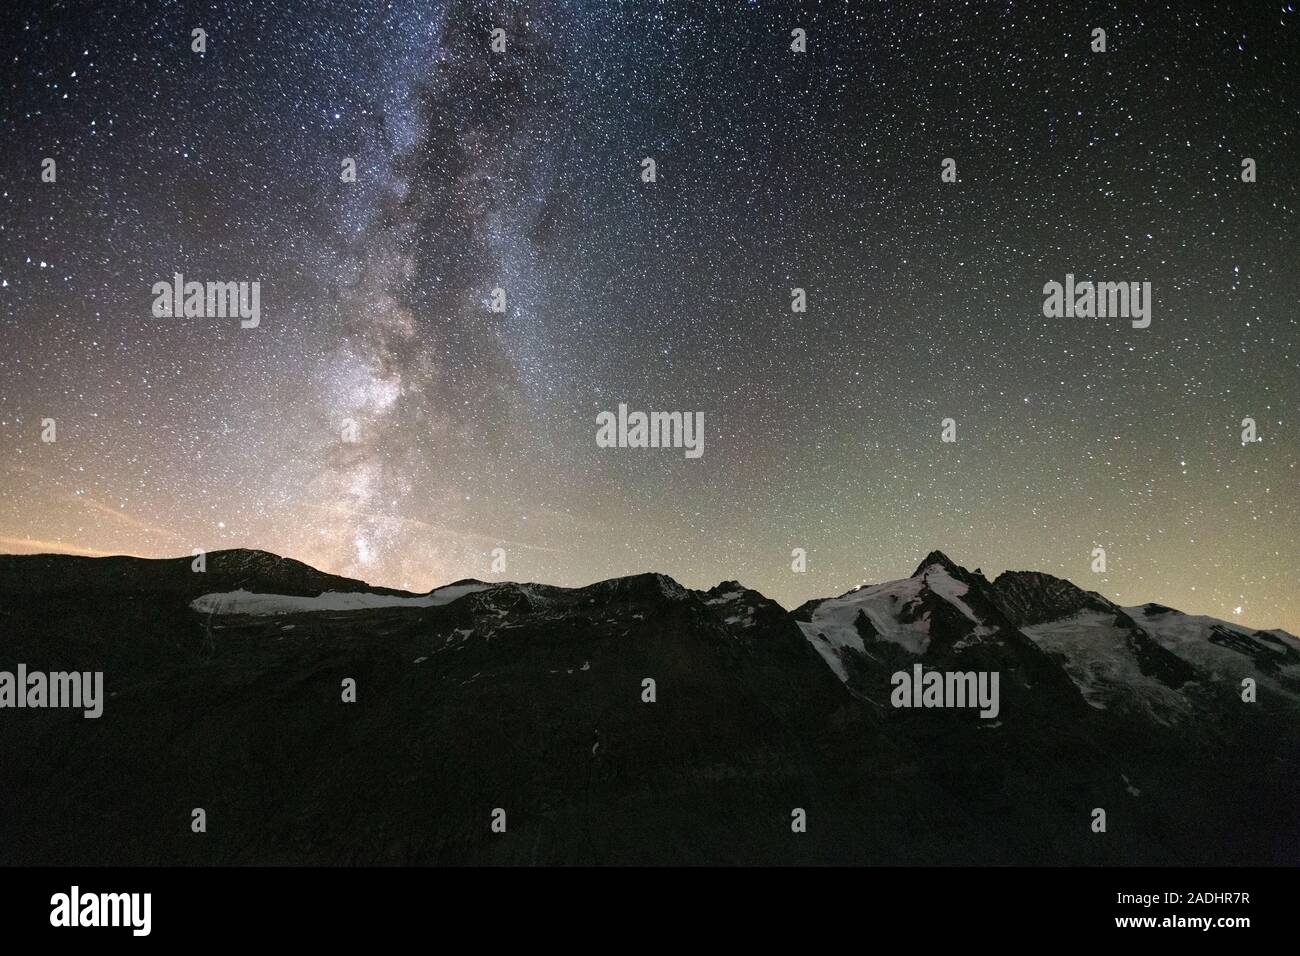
x=633, y=721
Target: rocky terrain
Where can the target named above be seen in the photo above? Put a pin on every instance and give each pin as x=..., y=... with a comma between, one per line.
x=225, y=692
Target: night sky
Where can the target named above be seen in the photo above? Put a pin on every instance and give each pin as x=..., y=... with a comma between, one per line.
x=775, y=170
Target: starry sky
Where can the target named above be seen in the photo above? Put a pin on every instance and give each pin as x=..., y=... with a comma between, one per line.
x=521, y=170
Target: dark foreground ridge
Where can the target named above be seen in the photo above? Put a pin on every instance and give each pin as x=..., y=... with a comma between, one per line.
x=632, y=721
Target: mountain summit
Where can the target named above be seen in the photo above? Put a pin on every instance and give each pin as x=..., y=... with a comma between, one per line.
x=935, y=559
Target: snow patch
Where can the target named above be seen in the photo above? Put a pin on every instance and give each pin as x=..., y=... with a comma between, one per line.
x=1189, y=637
x=1097, y=657
x=828, y=651
x=249, y=602
x=835, y=619
x=726, y=597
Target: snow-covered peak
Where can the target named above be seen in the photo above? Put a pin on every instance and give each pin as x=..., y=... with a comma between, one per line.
x=902, y=612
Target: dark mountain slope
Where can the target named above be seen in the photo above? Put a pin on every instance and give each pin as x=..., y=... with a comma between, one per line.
x=530, y=698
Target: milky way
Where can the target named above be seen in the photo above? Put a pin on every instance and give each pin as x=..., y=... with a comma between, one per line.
x=520, y=170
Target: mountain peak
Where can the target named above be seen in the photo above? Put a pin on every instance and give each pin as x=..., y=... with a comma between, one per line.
x=935, y=558
x=645, y=586
x=1034, y=597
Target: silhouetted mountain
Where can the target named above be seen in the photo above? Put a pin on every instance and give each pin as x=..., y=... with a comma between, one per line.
x=41, y=574
x=226, y=693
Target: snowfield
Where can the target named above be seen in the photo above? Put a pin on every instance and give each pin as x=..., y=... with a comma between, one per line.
x=833, y=620
x=1104, y=668
x=247, y=602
